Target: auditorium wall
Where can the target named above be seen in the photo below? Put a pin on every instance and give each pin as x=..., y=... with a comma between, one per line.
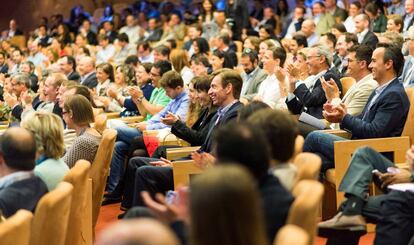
x=28, y=12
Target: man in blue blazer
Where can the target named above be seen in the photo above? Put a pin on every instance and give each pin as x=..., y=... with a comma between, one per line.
x=19, y=188
x=383, y=116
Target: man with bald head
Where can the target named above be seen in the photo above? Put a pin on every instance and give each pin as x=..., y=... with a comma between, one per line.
x=365, y=36
x=19, y=187
x=86, y=69
x=308, y=29
x=138, y=231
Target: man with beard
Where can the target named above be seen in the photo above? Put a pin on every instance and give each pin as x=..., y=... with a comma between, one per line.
x=252, y=76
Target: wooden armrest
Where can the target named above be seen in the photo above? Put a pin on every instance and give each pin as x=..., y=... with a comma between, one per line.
x=113, y=115
x=150, y=132
x=134, y=119
x=182, y=171
x=344, y=149
x=176, y=153
x=337, y=132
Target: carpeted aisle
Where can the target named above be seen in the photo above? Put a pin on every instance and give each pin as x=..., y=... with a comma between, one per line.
x=109, y=214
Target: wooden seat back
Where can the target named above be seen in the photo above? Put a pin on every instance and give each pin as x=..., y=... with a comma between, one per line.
x=99, y=171
x=16, y=229
x=304, y=210
x=291, y=235
x=79, y=226
x=51, y=216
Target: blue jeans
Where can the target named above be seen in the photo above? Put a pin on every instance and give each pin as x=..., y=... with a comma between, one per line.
x=123, y=141
x=322, y=144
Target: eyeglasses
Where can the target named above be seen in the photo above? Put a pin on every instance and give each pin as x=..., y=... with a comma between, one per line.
x=312, y=56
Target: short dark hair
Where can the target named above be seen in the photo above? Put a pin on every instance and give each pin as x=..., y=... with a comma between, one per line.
x=372, y=8
x=225, y=38
x=144, y=44
x=252, y=54
x=233, y=78
x=351, y=37
x=320, y=4
x=171, y=79
x=163, y=50
x=331, y=37
x=268, y=28
x=279, y=53
x=392, y=52
x=340, y=27
x=132, y=60
x=201, y=83
x=18, y=152
x=200, y=58
x=163, y=66
x=362, y=53
x=300, y=40
x=244, y=144
x=71, y=60
x=123, y=37
x=280, y=130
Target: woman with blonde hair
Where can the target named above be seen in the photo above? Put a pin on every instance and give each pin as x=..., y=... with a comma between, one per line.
x=180, y=63
x=78, y=115
x=48, y=131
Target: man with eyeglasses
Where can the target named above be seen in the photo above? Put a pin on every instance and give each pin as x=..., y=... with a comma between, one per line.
x=407, y=75
x=356, y=62
x=307, y=95
x=383, y=116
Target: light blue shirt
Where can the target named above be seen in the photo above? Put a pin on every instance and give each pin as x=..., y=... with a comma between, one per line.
x=178, y=106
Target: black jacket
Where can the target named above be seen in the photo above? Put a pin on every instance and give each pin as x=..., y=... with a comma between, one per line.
x=198, y=132
x=311, y=102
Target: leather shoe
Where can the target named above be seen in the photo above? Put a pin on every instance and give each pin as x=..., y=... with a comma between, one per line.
x=341, y=221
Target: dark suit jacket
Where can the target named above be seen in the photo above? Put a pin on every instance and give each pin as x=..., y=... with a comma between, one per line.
x=276, y=201
x=311, y=102
x=198, y=132
x=155, y=36
x=74, y=76
x=385, y=118
x=370, y=39
x=91, y=37
x=4, y=69
x=90, y=81
x=23, y=194
x=410, y=24
x=231, y=114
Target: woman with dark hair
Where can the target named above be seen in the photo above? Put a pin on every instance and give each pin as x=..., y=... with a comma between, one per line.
x=63, y=34
x=201, y=46
x=266, y=32
x=207, y=20
x=219, y=60
x=338, y=29
x=142, y=75
x=105, y=76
